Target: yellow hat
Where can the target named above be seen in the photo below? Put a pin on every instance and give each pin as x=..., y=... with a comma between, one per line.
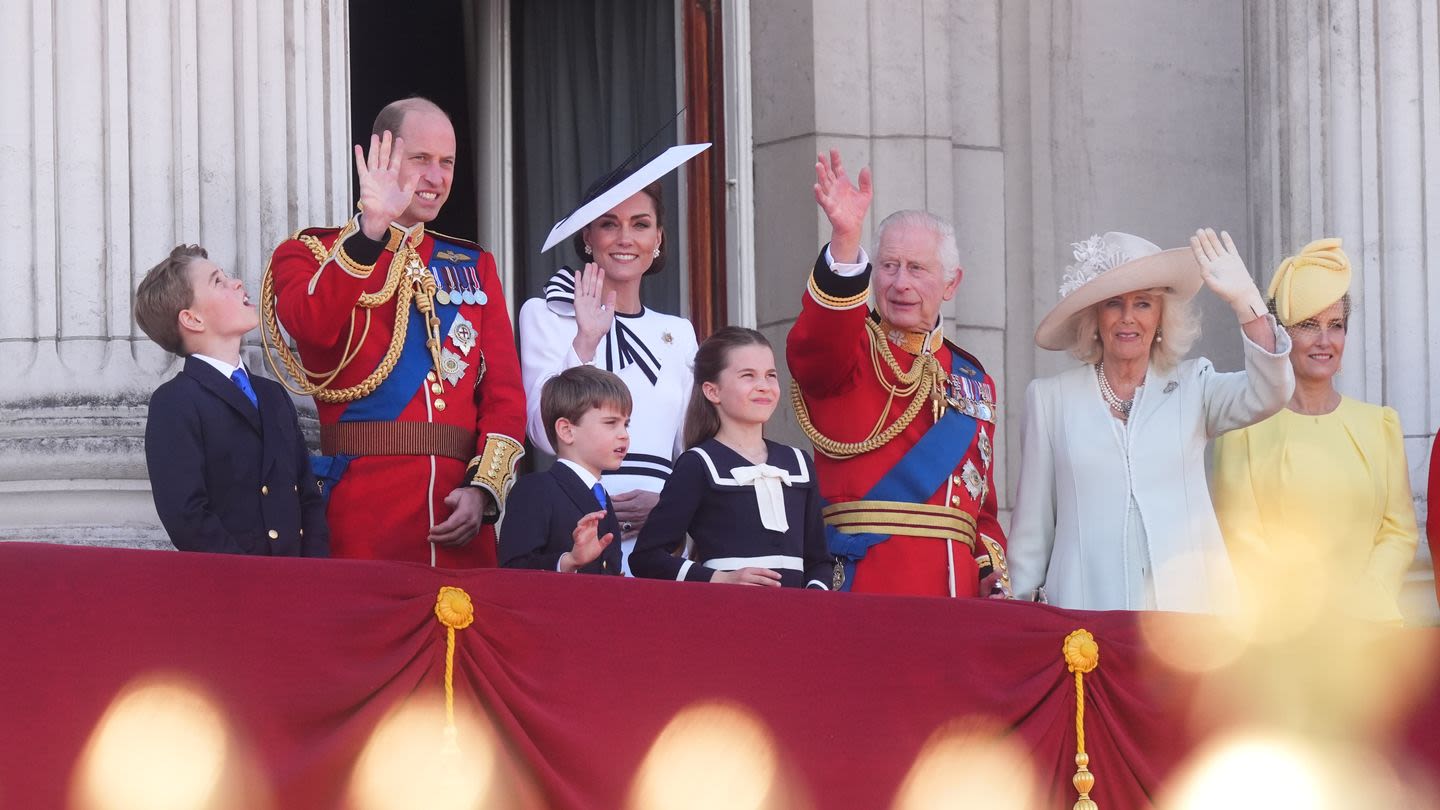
x=1307, y=283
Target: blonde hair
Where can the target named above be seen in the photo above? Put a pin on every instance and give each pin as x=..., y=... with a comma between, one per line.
x=1179, y=327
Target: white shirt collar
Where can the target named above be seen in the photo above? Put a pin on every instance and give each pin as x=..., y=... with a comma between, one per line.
x=220, y=365
x=585, y=477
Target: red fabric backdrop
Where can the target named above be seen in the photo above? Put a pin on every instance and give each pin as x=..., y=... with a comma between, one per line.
x=577, y=674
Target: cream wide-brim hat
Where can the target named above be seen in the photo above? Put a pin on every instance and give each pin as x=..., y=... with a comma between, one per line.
x=1114, y=264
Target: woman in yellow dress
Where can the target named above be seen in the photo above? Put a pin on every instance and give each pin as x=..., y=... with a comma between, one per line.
x=1321, y=489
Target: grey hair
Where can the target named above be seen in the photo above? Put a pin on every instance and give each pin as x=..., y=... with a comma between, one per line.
x=1179, y=326
x=944, y=231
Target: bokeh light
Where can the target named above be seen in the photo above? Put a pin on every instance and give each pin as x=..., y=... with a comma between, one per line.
x=161, y=745
x=411, y=760
x=711, y=756
x=1259, y=770
x=970, y=762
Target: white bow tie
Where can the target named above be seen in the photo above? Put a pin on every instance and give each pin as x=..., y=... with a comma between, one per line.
x=769, y=493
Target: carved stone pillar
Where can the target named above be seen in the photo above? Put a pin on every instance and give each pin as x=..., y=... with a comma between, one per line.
x=1343, y=124
x=129, y=127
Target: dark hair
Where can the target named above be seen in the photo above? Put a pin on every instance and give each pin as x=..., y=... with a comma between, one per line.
x=163, y=293
x=575, y=392
x=392, y=115
x=657, y=195
x=702, y=419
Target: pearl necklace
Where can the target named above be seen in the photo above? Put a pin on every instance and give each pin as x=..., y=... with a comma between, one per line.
x=1120, y=406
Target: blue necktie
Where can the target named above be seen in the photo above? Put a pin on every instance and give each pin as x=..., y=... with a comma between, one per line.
x=242, y=380
x=599, y=494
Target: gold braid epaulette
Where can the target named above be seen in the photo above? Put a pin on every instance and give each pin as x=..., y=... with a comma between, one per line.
x=305, y=380
x=917, y=384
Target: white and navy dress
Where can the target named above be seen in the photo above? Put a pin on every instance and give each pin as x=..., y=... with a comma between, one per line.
x=740, y=515
x=652, y=352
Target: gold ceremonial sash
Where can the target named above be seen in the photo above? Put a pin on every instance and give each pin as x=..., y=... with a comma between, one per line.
x=905, y=519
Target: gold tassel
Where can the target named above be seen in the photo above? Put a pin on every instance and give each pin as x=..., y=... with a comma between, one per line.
x=454, y=610
x=1082, y=654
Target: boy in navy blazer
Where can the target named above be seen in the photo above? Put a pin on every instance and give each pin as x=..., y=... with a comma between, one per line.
x=228, y=466
x=560, y=519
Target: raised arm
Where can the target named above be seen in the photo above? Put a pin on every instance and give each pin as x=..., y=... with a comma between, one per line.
x=824, y=349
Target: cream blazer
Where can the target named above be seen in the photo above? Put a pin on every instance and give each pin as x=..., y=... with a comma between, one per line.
x=1076, y=479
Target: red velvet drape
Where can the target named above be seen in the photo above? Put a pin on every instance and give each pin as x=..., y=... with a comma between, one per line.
x=577, y=674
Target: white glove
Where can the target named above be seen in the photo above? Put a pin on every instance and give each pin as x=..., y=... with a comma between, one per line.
x=1225, y=274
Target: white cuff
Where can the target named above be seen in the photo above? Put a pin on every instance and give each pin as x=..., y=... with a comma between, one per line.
x=847, y=269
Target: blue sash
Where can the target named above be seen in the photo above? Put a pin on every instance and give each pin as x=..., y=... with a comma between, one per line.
x=399, y=388
x=916, y=476
x=391, y=396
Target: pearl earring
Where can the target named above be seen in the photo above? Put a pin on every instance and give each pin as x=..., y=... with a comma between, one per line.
x=588, y=251
x=655, y=254
x=1159, y=336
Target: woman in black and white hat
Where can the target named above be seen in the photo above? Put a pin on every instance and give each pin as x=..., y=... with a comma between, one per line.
x=1113, y=511
x=595, y=317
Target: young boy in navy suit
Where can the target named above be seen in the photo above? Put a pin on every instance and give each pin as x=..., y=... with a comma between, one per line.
x=228, y=466
x=560, y=519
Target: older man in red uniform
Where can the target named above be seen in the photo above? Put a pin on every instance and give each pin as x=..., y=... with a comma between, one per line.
x=405, y=342
x=903, y=421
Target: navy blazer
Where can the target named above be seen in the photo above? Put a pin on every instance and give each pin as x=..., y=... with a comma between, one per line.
x=703, y=499
x=228, y=478
x=541, y=512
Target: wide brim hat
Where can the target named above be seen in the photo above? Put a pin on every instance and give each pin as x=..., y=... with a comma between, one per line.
x=1113, y=264
x=619, y=187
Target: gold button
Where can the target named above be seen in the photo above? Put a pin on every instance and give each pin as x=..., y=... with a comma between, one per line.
x=437, y=388
x=955, y=479
x=430, y=376
x=439, y=404
x=955, y=500
x=274, y=535
x=264, y=490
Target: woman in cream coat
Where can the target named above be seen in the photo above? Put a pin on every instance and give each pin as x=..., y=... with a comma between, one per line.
x=1113, y=509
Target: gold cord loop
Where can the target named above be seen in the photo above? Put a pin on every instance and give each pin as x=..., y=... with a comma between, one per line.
x=924, y=376
x=317, y=384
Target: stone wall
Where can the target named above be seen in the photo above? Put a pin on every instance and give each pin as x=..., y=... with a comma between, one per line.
x=131, y=127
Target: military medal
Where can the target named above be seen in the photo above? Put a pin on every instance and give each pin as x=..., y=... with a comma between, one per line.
x=440, y=294
x=452, y=290
x=478, y=296
x=462, y=334
x=667, y=337
x=974, y=481
x=985, y=448
x=452, y=368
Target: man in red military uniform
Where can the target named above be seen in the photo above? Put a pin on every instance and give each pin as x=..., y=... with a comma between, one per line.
x=405, y=342
x=903, y=421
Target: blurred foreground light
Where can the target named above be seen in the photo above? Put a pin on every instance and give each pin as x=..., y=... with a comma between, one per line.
x=711, y=756
x=1258, y=771
x=413, y=761
x=162, y=745
x=970, y=763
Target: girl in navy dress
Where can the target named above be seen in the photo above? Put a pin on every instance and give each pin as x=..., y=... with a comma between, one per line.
x=751, y=506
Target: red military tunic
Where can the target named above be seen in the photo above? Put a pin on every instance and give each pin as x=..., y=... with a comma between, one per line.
x=845, y=385
x=411, y=433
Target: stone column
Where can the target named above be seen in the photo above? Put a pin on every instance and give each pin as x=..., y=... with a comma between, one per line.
x=1344, y=127
x=131, y=127
x=909, y=88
